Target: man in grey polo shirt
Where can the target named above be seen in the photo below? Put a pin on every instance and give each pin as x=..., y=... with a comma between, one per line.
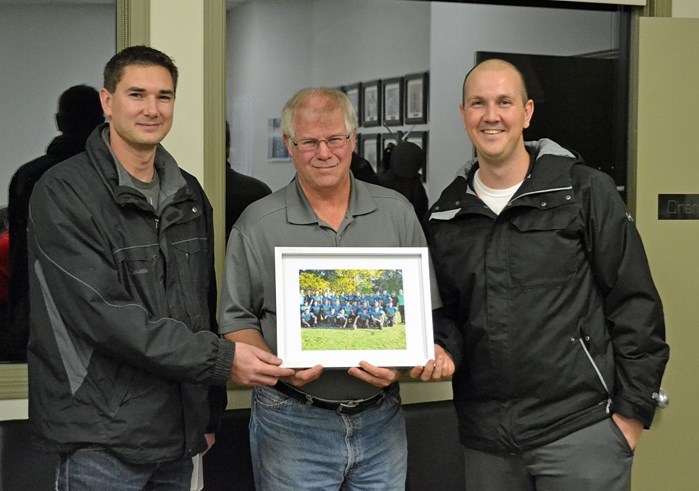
x=302, y=436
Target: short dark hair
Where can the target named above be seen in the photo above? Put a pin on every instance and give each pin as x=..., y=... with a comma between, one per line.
x=136, y=55
x=79, y=109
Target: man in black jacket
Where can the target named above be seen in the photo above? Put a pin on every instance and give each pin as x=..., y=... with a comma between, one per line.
x=241, y=190
x=79, y=112
x=126, y=370
x=549, y=310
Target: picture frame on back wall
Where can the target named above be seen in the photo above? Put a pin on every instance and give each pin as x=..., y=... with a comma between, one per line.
x=354, y=93
x=386, y=140
x=393, y=101
x=420, y=138
x=371, y=103
x=369, y=149
x=416, y=93
x=276, y=148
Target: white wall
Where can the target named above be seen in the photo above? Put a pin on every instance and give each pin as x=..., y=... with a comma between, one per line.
x=458, y=31
x=278, y=47
x=268, y=51
x=360, y=40
x=44, y=50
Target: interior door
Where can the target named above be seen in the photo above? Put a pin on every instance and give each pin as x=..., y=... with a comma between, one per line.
x=668, y=163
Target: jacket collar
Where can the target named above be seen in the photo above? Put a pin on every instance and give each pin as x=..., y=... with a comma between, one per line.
x=536, y=148
x=118, y=179
x=549, y=171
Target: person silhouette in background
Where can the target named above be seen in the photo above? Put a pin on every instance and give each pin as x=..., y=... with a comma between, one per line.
x=362, y=170
x=79, y=112
x=241, y=190
x=4, y=273
x=403, y=175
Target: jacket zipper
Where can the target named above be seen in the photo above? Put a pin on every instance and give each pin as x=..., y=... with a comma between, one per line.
x=567, y=188
x=599, y=374
x=582, y=343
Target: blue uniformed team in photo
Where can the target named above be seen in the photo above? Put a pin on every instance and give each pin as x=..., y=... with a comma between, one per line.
x=351, y=310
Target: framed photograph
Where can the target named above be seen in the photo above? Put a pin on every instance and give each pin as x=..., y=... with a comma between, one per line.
x=359, y=320
x=416, y=97
x=393, y=101
x=371, y=103
x=276, y=148
x=420, y=138
x=370, y=148
x=354, y=93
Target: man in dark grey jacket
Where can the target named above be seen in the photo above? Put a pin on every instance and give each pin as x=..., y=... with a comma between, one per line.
x=549, y=309
x=126, y=370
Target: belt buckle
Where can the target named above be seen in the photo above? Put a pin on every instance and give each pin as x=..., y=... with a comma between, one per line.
x=349, y=407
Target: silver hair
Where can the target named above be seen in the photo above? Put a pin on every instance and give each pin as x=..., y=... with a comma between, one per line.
x=334, y=98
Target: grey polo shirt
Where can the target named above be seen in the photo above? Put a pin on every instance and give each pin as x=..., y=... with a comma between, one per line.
x=376, y=217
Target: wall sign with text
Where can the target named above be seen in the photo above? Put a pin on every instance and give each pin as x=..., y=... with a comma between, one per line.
x=678, y=207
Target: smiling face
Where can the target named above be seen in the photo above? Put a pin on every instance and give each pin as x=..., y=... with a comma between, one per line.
x=324, y=170
x=495, y=114
x=140, y=109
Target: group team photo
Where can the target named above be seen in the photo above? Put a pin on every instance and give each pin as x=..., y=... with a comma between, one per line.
x=352, y=300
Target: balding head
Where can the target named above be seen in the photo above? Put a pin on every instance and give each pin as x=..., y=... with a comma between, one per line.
x=495, y=64
x=496, y=111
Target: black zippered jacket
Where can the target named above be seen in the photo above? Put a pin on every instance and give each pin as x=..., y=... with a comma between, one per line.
x=549, y=308
x=123, y=346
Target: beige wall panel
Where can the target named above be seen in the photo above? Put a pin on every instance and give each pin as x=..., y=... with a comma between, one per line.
x=193, y=33
x=667, y=163
x=685, y=8
x=177, y=28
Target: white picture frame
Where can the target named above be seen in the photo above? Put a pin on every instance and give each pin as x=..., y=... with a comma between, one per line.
x=410, y=264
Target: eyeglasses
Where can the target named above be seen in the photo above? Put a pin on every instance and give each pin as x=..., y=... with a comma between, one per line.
x=335, y=141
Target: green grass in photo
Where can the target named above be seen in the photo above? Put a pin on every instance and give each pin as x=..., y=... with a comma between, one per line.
x=388, y=338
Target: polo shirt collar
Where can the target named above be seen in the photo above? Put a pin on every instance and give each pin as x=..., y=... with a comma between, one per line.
x=299, y=210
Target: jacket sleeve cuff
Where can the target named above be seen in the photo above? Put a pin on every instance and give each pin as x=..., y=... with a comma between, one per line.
x=643, y=413
x=224, y=362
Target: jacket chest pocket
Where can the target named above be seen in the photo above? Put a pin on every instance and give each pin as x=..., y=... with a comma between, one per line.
x=141, y=273
x=188, y=296
x=544, y=247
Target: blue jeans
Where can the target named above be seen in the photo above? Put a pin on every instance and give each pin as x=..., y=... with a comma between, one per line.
x=89, y=469
x=296, y=447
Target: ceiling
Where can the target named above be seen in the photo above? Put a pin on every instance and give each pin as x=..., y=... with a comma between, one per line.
x=229, y=3
x=56, y=2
